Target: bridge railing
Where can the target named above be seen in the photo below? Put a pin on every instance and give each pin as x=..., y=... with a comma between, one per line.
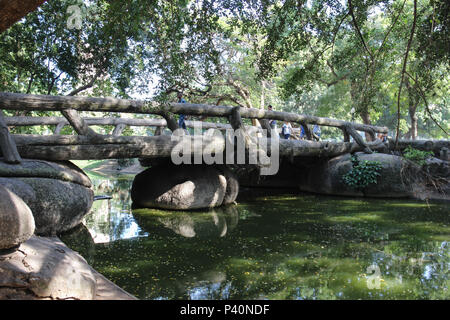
x=69, y=105
x=119, y=124
x=17, y=101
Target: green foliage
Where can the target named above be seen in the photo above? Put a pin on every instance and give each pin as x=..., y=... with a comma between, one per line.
x=362, y=174
x=417, y=156
x=300, y=56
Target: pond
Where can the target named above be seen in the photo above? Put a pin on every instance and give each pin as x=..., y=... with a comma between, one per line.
x=273, y=246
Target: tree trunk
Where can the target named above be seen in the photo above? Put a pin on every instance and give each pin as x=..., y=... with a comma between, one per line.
x=361, y=107
x=262, y=102
x=366, y=120
x=412, y=107
x=413, y=116
x=14, y=10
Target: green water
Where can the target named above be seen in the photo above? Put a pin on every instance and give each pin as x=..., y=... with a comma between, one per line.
x=270, y=247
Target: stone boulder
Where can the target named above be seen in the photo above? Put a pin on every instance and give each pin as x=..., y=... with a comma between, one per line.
x=16, y=220
x=232, y=189
x=44, y=268
x=182, y=187
x=397, y=177
x=440, y=171
x=438, y=168
x=58, y=193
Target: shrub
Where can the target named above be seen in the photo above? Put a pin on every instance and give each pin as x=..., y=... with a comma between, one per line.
x=417, y=156
x=362, y=174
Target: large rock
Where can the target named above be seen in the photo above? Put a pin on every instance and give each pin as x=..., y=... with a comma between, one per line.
x=440, y=171
x=181, y=187
x=232, y=189
x=44, y=268
x=16, y=220
x=58, y=193
x=397, y=177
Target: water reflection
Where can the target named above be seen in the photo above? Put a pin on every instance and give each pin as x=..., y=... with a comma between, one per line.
x=112, y=219
x=271, y=247
x=207, y=224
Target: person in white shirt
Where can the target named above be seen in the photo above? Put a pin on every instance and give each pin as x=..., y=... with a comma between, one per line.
x=286, y=130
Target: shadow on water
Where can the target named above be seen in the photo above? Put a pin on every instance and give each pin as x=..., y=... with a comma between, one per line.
x=281, y=246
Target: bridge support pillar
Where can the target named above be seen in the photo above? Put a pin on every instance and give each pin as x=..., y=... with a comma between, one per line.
x=7, y=144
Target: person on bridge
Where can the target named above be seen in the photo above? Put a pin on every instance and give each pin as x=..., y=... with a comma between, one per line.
x=317, y=132
x=286, y=130
x=272, y=123
x=302, y=133
x=182, y=118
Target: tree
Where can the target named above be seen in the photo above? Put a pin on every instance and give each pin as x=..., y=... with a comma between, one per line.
x=324, y=57
x=14, y=10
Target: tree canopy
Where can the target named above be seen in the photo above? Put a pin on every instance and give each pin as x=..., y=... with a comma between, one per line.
x=381, y=62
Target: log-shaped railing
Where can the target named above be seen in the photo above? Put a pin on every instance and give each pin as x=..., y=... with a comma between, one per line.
x=118, y=123
x=88, y=146
x=17, y=101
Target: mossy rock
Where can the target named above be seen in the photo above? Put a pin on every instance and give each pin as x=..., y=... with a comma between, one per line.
x=58, y=193
x=397, y=177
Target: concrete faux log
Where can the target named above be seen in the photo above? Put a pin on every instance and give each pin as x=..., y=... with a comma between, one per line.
x=321, y=149
x=118, y=130
x=425, y=145
x=109, y=147
x=78, y=123
x=60, y=121
x=7, y=144
x=58, y=128
x=17, y=101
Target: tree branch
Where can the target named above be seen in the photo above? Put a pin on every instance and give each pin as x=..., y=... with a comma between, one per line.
x=390, y=29
x=350, y=5
x=427, y=107
x=405, y=60
x=87, y=85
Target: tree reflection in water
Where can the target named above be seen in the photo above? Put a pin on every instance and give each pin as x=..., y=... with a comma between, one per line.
x=111, y=219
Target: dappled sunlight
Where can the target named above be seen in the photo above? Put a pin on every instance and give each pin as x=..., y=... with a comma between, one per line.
x=278, y=247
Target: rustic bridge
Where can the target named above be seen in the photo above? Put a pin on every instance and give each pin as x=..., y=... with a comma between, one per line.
x=88, y=144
